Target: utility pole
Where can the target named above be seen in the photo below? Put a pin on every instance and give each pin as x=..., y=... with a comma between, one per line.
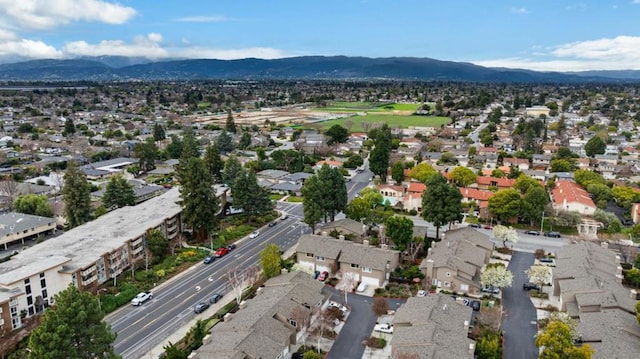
x=542, y=223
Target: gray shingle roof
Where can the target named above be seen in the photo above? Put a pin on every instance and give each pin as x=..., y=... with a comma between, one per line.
x=14, y=222
x=320, y=246
x=618, y=331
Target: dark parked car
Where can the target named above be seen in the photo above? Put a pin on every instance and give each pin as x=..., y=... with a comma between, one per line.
x=552, y=234
x=488, y=227
x=530, y=286
x=546, y=260
x=209, y=260
x=475, y=305
x=201, y=307
x=533, y=233
x=215, y=298
x=231, y=247
x=474, y=225
x=271, y=224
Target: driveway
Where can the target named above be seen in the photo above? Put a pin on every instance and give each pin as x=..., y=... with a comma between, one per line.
x=519, y=321
x=358, y=326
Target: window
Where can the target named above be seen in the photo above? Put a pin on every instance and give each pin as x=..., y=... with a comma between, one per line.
x=464, y=287
x=353, y=265
x=26, y=281
x=309, y=254
x=43, y=283
x=367, y=269
x=15, y=322
x=41, y=275
x=320, y=258
x=29, y=300
x=292, y=322
x=27, y=289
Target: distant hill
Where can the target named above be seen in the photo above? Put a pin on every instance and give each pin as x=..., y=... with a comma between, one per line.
x=306, y=67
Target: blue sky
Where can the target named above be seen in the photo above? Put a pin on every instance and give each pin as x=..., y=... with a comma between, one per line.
x=535, y=34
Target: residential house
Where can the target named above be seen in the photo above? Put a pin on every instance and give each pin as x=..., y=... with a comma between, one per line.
x=391, y=193
x=362, y=262
x=330, y=163
x=570, y=196
x=455, y=263
x=16, y=227
x=587, y=282
x=541, y=161
x=432, y=327
x=536, y=111
x=346, y=227
x=271, y=324
x=520, y=163
x=485, y=182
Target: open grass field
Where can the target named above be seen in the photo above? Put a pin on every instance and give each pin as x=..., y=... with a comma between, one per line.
x=340, y=106
x=391, y=120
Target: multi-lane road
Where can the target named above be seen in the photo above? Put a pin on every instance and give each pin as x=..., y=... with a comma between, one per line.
x=142, y=328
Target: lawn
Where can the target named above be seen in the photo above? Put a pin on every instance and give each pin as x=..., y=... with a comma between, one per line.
x=391, y=120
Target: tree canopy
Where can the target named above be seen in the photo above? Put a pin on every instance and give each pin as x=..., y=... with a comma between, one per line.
x=400, y=230
x=199, y=202
x=595, y=146
x=505, y=204
x=119, y=193
x=77, y=196
x=462, y=176
x=557, y=343
x=270, y=260
x=249, y=196
x=34, y=204
x=496, y=275
x=379, y=156
x=441, y=203
x=147, y=153
x=73, y=328
x=422, y=172
x=337, y=134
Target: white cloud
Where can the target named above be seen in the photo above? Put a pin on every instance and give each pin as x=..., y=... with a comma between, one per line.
x=7, y=35
x=213, y=18
x=636, y=1
x=619, y=53
x=519, y=10
x=46, y=14
x=228, y=54
x=29, y=49
x=147, y=46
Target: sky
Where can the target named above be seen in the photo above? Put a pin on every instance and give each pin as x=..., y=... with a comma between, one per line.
x=545, y=35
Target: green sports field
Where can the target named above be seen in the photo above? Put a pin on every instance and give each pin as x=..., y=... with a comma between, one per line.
x=391, y=120
x=341, y=106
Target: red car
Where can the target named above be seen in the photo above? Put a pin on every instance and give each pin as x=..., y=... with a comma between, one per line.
x=222, y=251
x=488, y=227
x=323, y=276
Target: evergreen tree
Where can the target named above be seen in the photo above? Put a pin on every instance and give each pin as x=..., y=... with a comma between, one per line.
x=69, y=127
x=595, y=146
x=441, y=202
x=245, y=141
x=119, y=193
x=334, y=191
x=199, y=202
x=147, y=154
x=34, y=204
x=397, y=172
x=230, y=125
x=174, y=149
x=312, y=202
x=158, y=132
x=248, y=195
x=225, y=142
x=379, y=156
x=189, y=144
x=76, y=194
x=214, y=163
x=232, y=168
x=73, y=328
x=400, y=230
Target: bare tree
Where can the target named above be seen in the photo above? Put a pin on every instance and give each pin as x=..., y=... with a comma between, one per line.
x=57, y=178
x=348, y=281
x=348, y=123
x=9, y=188
x=240, y=279
x=380, y=306
x=366, y=126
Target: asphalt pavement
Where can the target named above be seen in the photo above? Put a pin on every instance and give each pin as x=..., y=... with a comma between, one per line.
x=519, y=321
x=140, y=329
x=359, y=324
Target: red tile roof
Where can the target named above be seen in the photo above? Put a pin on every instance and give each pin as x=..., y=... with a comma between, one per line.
x=477, y=194
x=571, y=192
x=416, y=187
x=499, y=182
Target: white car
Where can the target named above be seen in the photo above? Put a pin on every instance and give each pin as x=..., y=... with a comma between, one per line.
x=361, y=287
x=384, y=328
x=141, y=298
x=342, y=308
x=421, y=293
x=254, y=234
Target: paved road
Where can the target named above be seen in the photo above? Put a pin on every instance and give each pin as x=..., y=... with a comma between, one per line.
x=529, y=243
x=519, y=321
x=142, y=328
x=358, y=326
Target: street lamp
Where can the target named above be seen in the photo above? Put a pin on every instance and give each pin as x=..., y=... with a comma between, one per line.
x=98, y=295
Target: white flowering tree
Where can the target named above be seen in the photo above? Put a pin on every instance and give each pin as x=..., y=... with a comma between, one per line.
x=505, y=234
x=496, y=275
x=539, y=275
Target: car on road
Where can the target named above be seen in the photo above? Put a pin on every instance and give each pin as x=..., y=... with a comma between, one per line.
x=141, y=298
x=552, y=234
x=201, y=307
x=490, y=289
x=488, y=227
x=532, y=233
x=209, y=260
x=475, y=225
x=254, y=234
x=530, y=286
x=215, y=298
x=383, y=328
x=475, y=305
x=342, y=308
x=284, y=216
x=231, y=247
x=271, y=224
x=323, y=276
x=221, y=252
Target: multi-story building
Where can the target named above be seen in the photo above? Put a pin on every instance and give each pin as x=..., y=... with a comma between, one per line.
x=85, y=256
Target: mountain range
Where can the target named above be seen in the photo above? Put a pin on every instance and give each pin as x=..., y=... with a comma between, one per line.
x=106, y=68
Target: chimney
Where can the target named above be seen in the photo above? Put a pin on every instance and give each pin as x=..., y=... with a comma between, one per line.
x=634, y=294
x=466, y=325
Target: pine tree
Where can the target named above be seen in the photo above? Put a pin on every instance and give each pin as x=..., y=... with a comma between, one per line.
x=147, y=154
x=73, y=328
x=199, y=202
x=232, y=168
x=440, y=202
x=249, y=196
x=214, y=163
x=69, y=127
x=230, y=125
x=312, y=202
x=119, y=193
x=379, y=156
x=225, y=142
x=334, y=191
x=76, y=194
x=158, y=132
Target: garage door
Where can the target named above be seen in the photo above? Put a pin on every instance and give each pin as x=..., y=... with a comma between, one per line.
x=370, y=281
x=323, y=269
